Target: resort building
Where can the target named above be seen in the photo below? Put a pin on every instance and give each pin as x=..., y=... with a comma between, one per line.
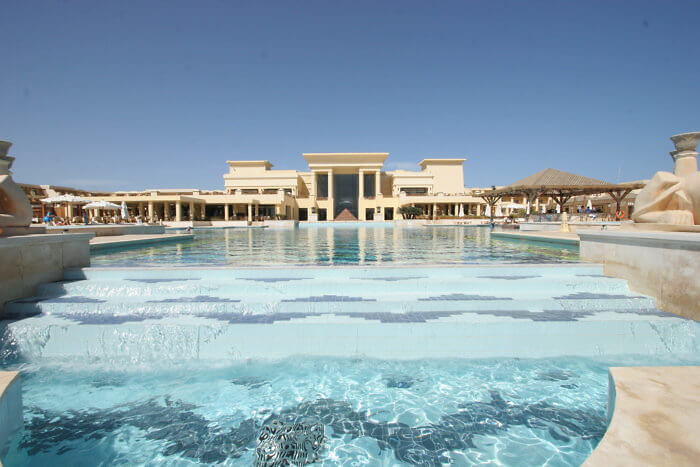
x=337, y=186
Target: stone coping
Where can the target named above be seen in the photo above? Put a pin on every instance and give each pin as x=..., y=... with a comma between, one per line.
x=21, y=240
x=654, y=415
x=109, y=229
x=103, y=243
x=6, y=379
x=412, y=266
x=10, y=406
x=672, y=240
x=642, y=227
x=540, y=236
x=97, y=226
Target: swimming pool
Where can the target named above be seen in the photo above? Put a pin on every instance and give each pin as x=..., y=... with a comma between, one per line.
x=364, y=345
x=363, y=412
x=365, y=243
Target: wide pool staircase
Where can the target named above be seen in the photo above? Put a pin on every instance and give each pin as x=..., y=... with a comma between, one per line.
x=385, y=312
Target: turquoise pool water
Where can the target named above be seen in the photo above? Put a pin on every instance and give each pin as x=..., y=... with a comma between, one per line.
x=313, y=245
x=369, y=412
x=420, y=346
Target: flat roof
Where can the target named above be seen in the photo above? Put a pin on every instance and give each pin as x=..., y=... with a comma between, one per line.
x=447, y=160
x=267, y=164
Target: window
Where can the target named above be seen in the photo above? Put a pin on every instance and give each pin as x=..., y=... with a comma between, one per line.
x=369, y=185
x=322, y=185
x=345, y=189
x=414, y=190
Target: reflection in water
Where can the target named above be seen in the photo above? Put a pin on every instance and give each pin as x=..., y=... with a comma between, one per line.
x=383, y=244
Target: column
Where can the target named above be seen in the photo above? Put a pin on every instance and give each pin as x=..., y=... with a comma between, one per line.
x=142, y=210
x=192, y=216
x=331, y=201
x=434, y=211
x=257, y=211
x=226, y=212
x=178, y=211
x=378, y=184
x=314, y=185
x=250, y=212
x=69, y=211
x=361, y=187
x=151, y=211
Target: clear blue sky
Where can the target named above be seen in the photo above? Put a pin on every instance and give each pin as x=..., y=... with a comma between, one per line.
x=139, y=94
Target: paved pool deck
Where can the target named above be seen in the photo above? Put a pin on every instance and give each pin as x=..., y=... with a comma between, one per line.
x=103, y=243
x=565, y=238
x=655, y=418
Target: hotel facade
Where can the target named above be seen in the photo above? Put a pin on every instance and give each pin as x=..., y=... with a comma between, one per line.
x=337, y=186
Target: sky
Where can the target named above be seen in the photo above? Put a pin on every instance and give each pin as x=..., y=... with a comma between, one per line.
x=133, y=95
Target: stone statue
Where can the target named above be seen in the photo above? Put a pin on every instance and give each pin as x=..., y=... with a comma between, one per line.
x=673, y=198
x=15, y=209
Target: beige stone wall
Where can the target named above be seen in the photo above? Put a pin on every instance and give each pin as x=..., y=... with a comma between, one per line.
x=665, y=265
x=448, y=175
x=29, y=260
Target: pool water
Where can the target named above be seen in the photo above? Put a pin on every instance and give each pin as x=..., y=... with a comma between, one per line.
x=371, y=412
x=363, y=244
x=437, y=346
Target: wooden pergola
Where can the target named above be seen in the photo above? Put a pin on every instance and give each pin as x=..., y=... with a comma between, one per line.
x=561, y=186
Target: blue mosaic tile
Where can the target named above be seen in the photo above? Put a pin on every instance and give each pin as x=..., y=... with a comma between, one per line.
x=275, y=279
x=554, y=375
x=250, y=382
x=399, y=382
x=391, y=279
x=508, y=278
x=155, y=281
x=461, y=296
x=237, y=317
x=328, y=298
x=405, y=317
x=68, y=299
x=196, y=439
x=262, y=318
x=595, y=296
x=197, y=299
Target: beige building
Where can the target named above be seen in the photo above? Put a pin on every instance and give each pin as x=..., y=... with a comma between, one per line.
x=337, y=186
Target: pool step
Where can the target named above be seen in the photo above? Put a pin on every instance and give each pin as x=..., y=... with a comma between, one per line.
x=187, y=338
x=266, y=289
x=222, y=313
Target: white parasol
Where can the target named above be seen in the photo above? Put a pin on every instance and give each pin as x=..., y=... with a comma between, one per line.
x=67, y=198
x=101, y=205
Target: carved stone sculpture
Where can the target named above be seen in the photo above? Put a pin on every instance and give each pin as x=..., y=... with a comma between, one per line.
x=15, y=209
x=673, y=198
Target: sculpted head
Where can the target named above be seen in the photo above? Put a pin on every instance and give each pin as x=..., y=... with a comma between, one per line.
x=5, y=160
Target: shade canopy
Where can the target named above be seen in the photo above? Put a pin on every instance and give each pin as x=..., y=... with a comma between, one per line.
x=101, y=205
x=67, y=198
